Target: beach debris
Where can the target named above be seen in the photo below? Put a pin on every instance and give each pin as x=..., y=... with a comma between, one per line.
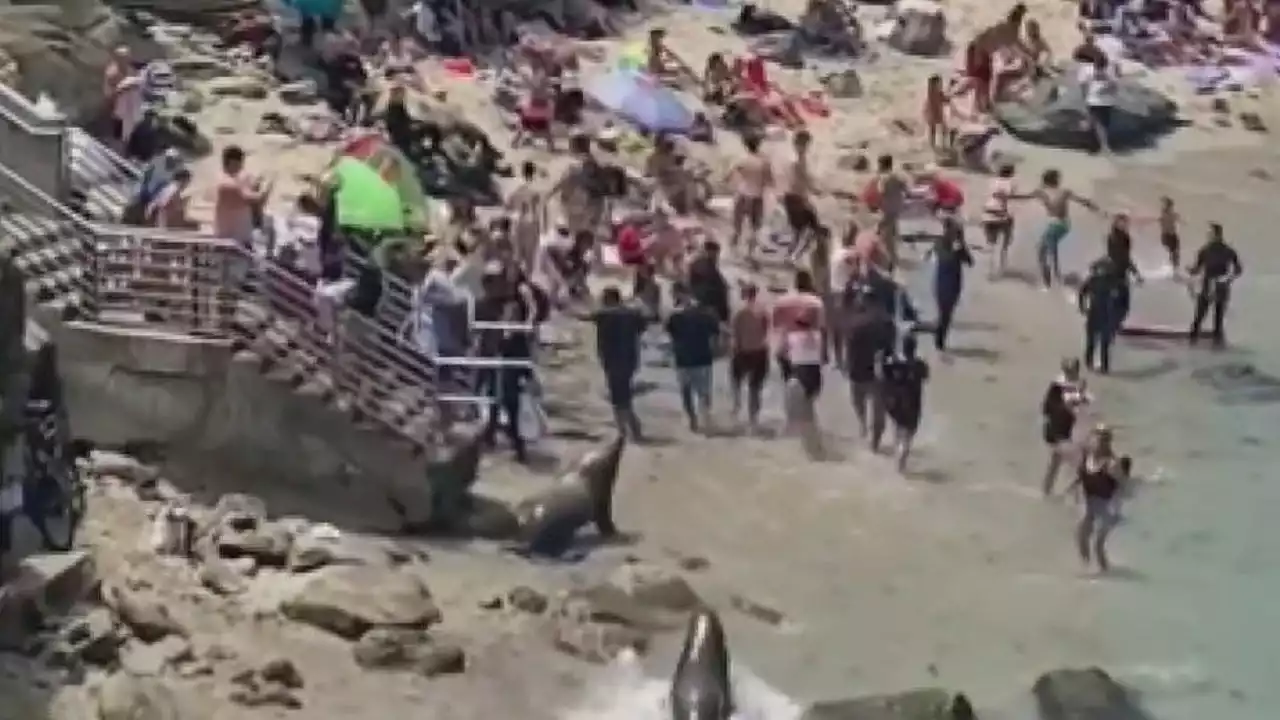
x=1078, y=693
x=757, y=611
x=1252, y=122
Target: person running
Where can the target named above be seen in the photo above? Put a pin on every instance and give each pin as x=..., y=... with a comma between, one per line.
x=1099, y=476
x=1064, y=396
x=869, y=338
x=1101, y=299
x=529, y=210
x=797, y=194
x=950, y=257
x=997, y=218
x=1217, y=265
x=1057, y=204
x=903, y=380
x=891, y=198
x=694, y=329
x=1170, y=220
x=619, y=329
x=752, y=178
x=749, y=360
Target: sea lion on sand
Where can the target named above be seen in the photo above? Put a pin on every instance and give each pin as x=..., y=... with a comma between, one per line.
x=549, y=521
x=700, y=688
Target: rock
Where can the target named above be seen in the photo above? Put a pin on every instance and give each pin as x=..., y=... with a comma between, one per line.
x=1084, y=694
x=597, y=643
x=95, y=637
x=349, y=600
x=527, y=599
x=268, y=545
x=146, y=617
x=265, y=694
x=221, y=578
x=303, y=92
x=1053, y=113
x=127, y=697
x=843, y=85
x=189, y=101
x=763, y=613
x=1252, y=122
x=922, y=704
x=920, y=28
x=655, y=587
x=1220, y=106
x=150, y=660
x=440, y=658
x=238, y=511
x=105, y=463
x=388, y=648
x=321, y=545
x=283, y=671
x=249, y=88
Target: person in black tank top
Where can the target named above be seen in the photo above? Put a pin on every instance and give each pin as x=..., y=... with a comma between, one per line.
x=1099, y=477
x=1058, y=408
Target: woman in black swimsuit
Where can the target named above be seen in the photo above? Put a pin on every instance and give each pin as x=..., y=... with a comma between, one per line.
x=1099, y=476
x=1064, y=395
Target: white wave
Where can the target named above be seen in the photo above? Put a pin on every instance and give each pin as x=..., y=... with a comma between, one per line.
x=624, y=692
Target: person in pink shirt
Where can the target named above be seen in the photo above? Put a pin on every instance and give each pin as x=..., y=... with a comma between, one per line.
x=799, y=320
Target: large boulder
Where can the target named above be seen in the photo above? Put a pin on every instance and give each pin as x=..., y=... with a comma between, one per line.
x=1054, y=113
x=1085, y=694
x=921, y=704
x=920, y=28
x=349, y=600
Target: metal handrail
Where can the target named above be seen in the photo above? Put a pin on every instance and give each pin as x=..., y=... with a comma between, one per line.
x=11, y=99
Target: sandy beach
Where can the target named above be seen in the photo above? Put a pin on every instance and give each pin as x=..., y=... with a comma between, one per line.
x=958, y=575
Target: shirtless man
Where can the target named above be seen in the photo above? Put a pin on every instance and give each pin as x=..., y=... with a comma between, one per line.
x=582, y=201
x=529, y=213
x=752, y=176
x=1057, y=204
x=665, y=64
x=797, y=191
x=893, y=198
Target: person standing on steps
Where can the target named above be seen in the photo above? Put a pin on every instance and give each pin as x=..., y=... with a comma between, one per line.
x=1100, y=300
x=950, y=257
x=749, y=359
x=619, y=329
x=694, y=329
x=1099, y=476
x=1217, y=265
x=1062, y=399
x=1057, y=205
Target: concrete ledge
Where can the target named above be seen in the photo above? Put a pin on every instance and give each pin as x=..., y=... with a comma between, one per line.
x=42, y=586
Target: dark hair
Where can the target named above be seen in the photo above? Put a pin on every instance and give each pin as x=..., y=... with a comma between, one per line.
x=751, y=142
x=580, y=144
x=711, y=246
x=1017, y=13
x=528, y=170
x=611, y=295
x=232, y=153
x=884, y=163
x=803, y=136
x=1006, y=170
x=182, y=174
x=1051, y=177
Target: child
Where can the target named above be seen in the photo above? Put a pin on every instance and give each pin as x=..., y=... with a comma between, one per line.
x=935, y=111
x=1169, y=221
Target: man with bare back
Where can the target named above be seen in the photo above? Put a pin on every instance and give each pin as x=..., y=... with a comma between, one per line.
x=752, y=177
x=529, y=216
x=1057, y=205
x=797, y=191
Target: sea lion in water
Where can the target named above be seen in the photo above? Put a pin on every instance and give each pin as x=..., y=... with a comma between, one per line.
x=550, y=520
x=700, y=688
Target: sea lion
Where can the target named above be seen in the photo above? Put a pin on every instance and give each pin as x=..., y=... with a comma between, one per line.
x=700, y=688
x=550, y=520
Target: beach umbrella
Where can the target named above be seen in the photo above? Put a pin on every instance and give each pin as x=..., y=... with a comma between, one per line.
x=366, y=201
x=642, y=100
x=397, y=169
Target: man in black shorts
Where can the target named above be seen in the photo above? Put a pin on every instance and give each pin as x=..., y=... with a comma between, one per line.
x=749, y=335
x=902, y=387
x=796, y=196
x=869, y=336
x=1058, y=408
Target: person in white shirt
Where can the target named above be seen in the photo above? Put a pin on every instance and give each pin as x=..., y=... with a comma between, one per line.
x=1100, y=89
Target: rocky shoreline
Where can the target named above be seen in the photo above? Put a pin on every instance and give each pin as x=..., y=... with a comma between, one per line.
x=195, y=606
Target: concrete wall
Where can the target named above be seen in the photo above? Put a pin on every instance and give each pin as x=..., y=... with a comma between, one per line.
x=222, y=425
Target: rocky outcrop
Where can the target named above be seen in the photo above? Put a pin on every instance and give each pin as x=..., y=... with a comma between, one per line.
x=1085, y=694
x=921, y=704
x=348, y=601
x=1054, y=113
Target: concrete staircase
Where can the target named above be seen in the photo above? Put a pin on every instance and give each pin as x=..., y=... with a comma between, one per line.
x=259, y=398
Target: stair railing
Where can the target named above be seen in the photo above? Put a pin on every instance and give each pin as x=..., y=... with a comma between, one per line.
x=34, y=145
